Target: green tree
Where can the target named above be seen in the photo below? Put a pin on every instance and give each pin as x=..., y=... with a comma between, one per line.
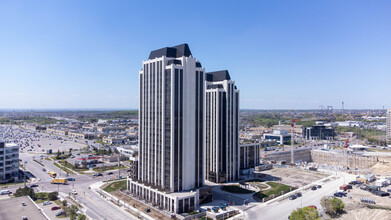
x=81, y=217
x=25, y=191
x=58, y=154
x=332, y=206
x=53, y=196
x=338, y=205
x=306, y=213
x=73, y=212
x=64, y=202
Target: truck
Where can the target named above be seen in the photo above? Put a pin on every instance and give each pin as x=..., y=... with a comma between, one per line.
x=59, y=181
x=343, y=187
x=52, y=174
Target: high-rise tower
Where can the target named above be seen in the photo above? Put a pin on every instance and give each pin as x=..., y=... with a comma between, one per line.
x=171, y=122
x=222, y=152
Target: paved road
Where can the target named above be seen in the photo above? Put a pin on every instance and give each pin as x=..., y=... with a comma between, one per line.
x=281, y=210
x=95, y=206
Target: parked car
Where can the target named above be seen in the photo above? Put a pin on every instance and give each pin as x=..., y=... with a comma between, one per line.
x=293, y=197
x=47, y=203
x=312, y=206
x=43, y=169
x=33, y=185
x=60, y=213
x=55, y=208
x=314, y=188
x=319, y=186
x=5, y=192
x=97, y=174
x=298, y=195
x=109, y=173
x=71, y=179
x=74, y=192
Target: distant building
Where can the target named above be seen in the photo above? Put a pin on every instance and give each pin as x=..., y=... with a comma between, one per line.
x=9, y=161
x=249, y=155
x=388, y=122
x=280, y=136
x=128, y=151
x=318, y=132
x=57, y=131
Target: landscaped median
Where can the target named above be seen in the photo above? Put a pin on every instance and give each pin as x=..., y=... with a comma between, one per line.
x=118, y=185
x=236, y=189
x=267, y=190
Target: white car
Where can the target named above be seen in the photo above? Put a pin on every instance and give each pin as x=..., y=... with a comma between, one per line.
x=5, y=192
x=74, y=192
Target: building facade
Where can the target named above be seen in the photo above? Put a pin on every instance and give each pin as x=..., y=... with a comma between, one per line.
x=318, y=132
x=388, y=123
x=280, y=136
x=249, y=155
x=9, y=161
x=222, y=128
x=171, y=135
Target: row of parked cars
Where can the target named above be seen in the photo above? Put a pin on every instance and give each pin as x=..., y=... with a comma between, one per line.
x=54, y=208
x=297, y=195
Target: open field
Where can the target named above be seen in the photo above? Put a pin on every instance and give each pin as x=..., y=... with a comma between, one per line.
x=292, y=176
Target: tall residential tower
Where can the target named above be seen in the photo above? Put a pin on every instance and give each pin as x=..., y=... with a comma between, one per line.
x=171, y=135
x=222, y=152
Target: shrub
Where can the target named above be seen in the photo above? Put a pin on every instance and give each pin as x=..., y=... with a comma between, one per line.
x=306, y=213
x=53, y=196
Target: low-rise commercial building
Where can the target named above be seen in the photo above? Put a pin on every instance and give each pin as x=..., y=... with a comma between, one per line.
x=318, y=132
x=249, y=155
x=9, y=161
x=280, y=136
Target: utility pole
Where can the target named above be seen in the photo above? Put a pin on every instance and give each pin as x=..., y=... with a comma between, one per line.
x=119, y=167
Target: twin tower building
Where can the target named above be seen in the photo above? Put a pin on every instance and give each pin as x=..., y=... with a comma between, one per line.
x=188, y=130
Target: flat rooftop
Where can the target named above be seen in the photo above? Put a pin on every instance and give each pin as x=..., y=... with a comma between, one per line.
x=11, y=208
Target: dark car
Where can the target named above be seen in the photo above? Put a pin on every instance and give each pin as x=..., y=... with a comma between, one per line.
x=33, y=185
x=314, y=188
x=109, y=173
x=319, y=186
x=97, y=174
x=71, y=179
x=56, y=208
x=337, y=194
x=60, y=213
x=293, y=197
x=298, y=195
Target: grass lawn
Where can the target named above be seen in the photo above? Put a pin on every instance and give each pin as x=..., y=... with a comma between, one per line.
x=115, y=186
x=105, y=168
x=235, y=189
x=276, y=189
x=71, y=166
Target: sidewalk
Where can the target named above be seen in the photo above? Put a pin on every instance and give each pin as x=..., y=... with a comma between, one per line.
x=96, y=186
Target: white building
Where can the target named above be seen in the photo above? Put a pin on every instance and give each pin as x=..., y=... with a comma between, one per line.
x=9, y=161
x=281, y=136
x=222, y=153
x=171, y=124
x=128, y=151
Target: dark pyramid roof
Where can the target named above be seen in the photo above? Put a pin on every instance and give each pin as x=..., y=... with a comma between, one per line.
x=174, y=52
x=218, y=76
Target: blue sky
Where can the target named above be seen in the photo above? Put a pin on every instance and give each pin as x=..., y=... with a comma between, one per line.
x=282, y=54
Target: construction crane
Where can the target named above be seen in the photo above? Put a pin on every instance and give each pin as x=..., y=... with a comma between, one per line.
x=293, y=122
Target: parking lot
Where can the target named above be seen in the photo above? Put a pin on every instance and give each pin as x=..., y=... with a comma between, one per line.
x=49, y=212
